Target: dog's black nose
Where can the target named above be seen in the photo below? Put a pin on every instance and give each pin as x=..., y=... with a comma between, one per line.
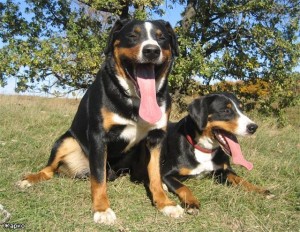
x=251, y=128
x=151, y=51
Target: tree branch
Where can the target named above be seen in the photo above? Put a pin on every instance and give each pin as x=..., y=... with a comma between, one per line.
x=112, y=8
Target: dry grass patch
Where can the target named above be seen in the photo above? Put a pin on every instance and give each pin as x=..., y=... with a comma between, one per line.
x=30, y=125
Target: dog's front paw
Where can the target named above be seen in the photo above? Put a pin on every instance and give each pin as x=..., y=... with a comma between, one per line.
x=192, y=211
x=268, y=194
x=173, y=211
x=192, y=207
x=23, y=184
x=107, y=217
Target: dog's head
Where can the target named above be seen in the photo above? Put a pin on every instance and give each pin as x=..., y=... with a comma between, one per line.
x=220, y=117
x=143, y=53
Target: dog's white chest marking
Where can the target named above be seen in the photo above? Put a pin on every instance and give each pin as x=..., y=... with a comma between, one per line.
x=134, y=132
x=205, y=163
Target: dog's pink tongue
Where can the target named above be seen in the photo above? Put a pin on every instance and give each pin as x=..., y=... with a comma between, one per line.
x=236, y=152
x=149, y=109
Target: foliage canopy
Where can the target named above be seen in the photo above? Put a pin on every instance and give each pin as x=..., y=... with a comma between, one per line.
x=60, y=43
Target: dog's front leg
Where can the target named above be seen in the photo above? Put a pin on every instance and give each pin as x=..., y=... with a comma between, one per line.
x=189, y=201
x=154, y=143
x=97, y=157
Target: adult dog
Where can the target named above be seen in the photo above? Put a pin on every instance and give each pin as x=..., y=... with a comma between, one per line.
x=126, y=109
x=203, y=141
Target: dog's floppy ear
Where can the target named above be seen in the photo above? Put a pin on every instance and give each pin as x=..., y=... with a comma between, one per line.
x=174, y=43
x=198, y=111
x=119, y=24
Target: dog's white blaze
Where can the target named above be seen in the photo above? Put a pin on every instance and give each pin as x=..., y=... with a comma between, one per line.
x=150, y=40
x=242, y=122
x=205, y=163
x=135, y=132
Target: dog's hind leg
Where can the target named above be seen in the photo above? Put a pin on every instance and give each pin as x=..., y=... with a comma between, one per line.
x=236, y=180
x=66, y=157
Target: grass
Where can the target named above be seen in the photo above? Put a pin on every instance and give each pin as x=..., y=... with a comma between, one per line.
x=29, y=126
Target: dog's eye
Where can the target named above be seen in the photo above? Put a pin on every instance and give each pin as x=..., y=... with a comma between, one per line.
x=227, y=111
x=160, y=37
x=133, y=36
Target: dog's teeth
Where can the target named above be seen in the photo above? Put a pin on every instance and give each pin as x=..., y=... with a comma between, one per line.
x=222, y=139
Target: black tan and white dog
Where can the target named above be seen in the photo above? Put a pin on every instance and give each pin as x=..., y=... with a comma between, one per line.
x=126, y=109
x=203, y=141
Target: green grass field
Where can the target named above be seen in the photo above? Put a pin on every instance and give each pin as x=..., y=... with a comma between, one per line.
x=30, y=125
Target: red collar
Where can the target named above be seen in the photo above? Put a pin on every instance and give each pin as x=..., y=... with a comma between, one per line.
x=196, y=146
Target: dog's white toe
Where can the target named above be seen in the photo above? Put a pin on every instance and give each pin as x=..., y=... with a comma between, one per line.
x=192, y=211
x=165, y=188
x=22, y=184
x=173, y=211
x=270, y=196
x=107, y=217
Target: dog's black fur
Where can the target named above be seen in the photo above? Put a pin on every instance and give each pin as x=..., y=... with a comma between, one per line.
x=108, y=124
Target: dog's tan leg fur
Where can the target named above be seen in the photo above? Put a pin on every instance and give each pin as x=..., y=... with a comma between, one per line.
x=187, y=198
x=160, y=199
x=71, y=158
x=238, y=181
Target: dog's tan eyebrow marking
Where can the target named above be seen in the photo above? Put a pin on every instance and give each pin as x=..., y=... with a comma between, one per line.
x=158, y=33
x=229, y=105
x=209, y=117
x=137, y=29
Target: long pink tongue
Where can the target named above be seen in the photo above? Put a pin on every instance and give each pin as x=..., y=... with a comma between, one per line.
x=236, y=152
x=149, y=109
